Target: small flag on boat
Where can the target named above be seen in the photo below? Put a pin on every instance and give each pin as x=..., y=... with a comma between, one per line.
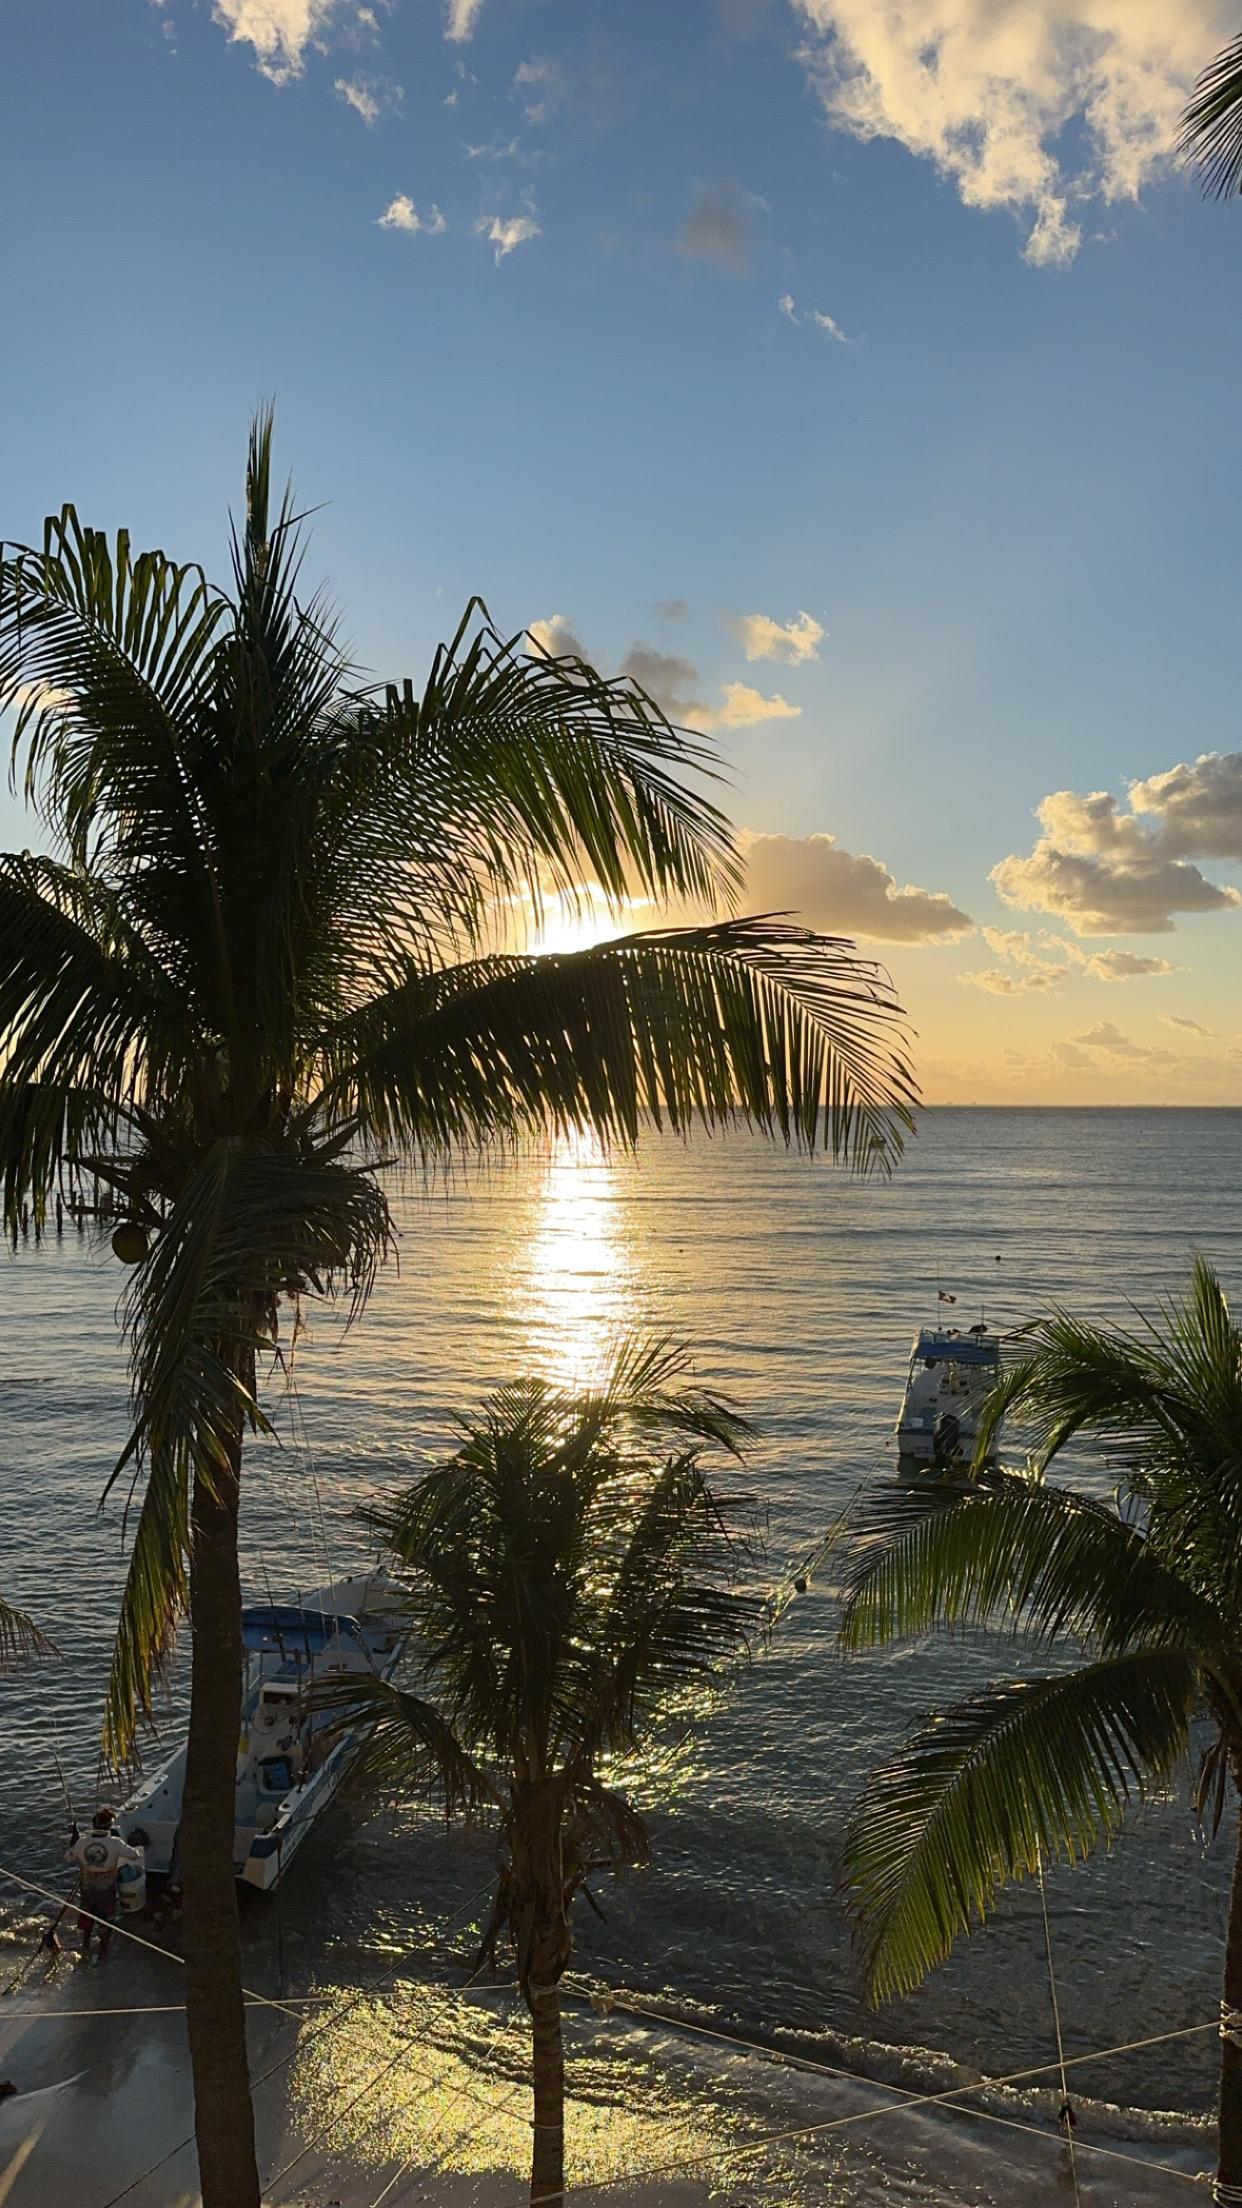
x=944, y=1296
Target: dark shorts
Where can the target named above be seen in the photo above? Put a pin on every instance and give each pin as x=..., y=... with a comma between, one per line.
x=101, y=1902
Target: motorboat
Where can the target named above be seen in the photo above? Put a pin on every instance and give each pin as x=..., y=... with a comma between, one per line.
x=292, y=1756
x=952, y=1372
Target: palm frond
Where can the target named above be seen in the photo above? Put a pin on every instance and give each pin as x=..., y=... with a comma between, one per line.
x=1025, y=1773
x=546, y=772
x=747, y=1020
x=88, y=1019
x=1210, y=138
x=21, y=1640
x=106, y=655
x=1015, y=1554
x=409, y=1745
x=1165, y=1397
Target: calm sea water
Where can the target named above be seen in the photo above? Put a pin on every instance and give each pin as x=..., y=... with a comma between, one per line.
x=798, y=1290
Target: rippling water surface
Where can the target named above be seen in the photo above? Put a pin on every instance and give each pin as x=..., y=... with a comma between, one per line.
x=798, y=1290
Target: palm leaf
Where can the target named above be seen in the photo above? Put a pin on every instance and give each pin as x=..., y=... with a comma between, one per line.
x=1016, y=1554
x=1211, y=132
x=20, y=1638
x=409, y=1745
x=1020, y=1775
x=748, y=1020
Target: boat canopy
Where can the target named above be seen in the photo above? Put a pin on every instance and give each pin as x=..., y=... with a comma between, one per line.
x=957, y=1349
x=268, y=1625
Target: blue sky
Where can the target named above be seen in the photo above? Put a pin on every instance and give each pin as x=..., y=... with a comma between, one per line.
x=893, y=323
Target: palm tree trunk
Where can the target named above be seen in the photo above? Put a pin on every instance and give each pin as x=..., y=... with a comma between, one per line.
x=215, y=2012
x=547, y=2164
x=1228, y=2186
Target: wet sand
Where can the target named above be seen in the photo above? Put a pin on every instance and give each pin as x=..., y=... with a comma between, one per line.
x=103, y=2113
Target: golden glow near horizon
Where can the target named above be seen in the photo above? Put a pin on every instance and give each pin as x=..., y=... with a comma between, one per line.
x=578, y=1294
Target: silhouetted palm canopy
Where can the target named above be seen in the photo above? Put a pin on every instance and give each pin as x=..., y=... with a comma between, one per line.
x=264, y=959
x=1211, y=133
x=571, y=1579
x=1047, y=1766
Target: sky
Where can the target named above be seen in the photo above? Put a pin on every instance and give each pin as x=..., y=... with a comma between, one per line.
x=859, y=375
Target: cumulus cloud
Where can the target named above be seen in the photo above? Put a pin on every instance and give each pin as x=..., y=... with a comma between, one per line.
x=791, y=641
x=826, y=322
x=745, y=708
x=506, y=232
x=670, y=680
x=1107, y=869
x=842, y=893
x=1197, y=806
x=1192, y=1027
x=402, y=214
x=1034, y=106
x=557, y=637
x=279, y=31
x=370, y=97
x=720, y=225
x=1104, y=1036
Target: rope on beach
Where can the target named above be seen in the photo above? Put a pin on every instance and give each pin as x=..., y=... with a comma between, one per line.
x=947, y=2099
x=780, y=2059
x=1066, y=2117
x=153, y=2008
x=262, y=2000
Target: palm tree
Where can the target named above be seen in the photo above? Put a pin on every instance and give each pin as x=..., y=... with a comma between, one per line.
x=1211, y=133
x=1149, y=1600
x=571, y=1580
x=262, y=962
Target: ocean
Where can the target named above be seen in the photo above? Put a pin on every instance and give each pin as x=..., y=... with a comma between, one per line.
x=797, y=1289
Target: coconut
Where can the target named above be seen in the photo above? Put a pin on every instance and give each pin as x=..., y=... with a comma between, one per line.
x=129, y=1243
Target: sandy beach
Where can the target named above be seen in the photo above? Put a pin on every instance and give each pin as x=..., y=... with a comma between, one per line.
x=366, y=2104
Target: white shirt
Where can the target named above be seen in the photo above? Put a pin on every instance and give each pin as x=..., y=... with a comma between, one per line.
x=99, y=1856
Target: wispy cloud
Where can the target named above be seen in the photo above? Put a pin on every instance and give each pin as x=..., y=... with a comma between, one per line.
x=370, y=97
x=402, y=214
x=460, y=19
x=507, y=232
x=1025, y=106
x=1192, y=1027
x=1104, y=1036
x=792, y=642
x=813, y=316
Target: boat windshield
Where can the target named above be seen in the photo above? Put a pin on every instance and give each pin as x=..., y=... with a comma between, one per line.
x=283, y=1626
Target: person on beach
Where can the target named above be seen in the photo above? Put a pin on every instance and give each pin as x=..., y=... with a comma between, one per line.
x=99, y=1855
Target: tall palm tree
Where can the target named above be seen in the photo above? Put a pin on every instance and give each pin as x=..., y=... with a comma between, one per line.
x=571, y=1579
x=261, y=962
x=1211, y=133
x=1149, y=1601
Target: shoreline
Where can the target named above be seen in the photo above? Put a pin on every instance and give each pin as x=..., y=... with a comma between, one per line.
x=374, y=2105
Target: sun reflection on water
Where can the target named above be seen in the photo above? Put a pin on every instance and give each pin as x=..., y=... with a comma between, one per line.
x=579, y=1290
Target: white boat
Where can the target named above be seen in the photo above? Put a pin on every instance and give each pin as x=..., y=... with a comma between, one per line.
x=952, y=1372
x=290, y=1761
